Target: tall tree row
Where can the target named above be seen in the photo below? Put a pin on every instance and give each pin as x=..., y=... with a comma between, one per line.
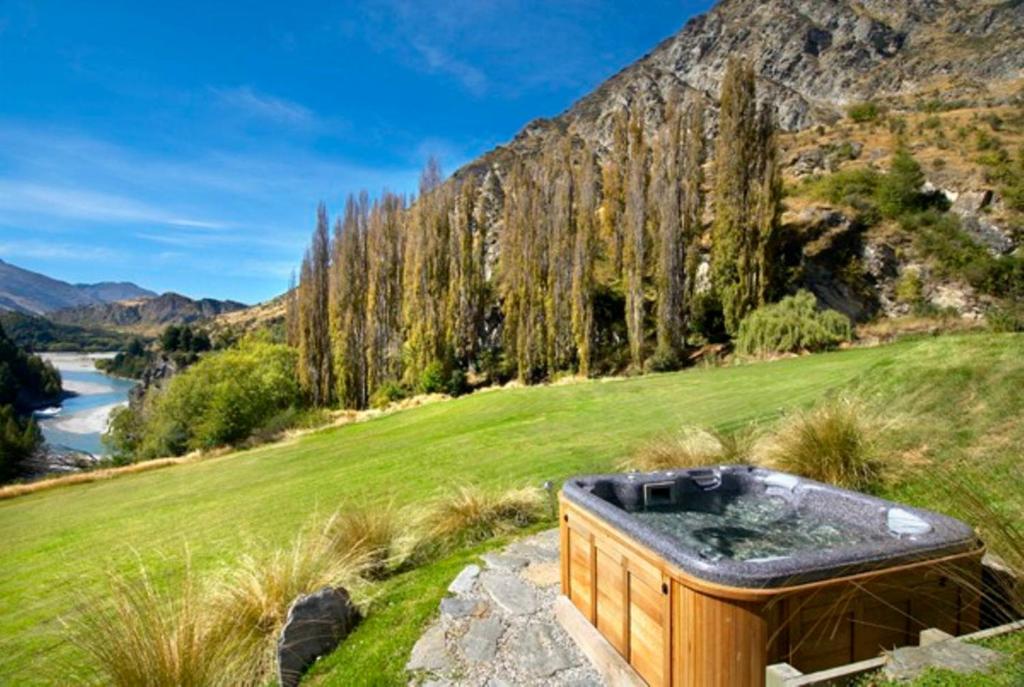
x=568, y=262
x=747, y=193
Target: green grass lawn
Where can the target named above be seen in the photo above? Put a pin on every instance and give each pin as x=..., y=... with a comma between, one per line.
x=961, y=393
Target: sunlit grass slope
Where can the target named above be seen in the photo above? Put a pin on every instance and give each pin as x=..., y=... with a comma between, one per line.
x=55, y=545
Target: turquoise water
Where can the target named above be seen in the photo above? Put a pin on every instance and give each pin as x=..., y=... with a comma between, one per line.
x=747, y=527
x=82, y=418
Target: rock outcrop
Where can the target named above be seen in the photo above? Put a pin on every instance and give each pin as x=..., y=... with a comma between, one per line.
x=813, y=58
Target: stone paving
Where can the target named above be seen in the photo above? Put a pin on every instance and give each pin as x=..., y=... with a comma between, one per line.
x=497, y=626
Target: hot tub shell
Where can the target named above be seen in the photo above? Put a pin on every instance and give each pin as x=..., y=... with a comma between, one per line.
x=682, y=620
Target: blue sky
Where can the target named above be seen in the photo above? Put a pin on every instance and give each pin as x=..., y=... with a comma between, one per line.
x=184, y=145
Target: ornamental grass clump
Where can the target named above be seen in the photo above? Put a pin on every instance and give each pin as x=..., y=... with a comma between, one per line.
x=792, y=325
x=693, y=447
x=257, y=592
x=833, y=442
x=382, y=535
x=472, y=515
x=143, y=633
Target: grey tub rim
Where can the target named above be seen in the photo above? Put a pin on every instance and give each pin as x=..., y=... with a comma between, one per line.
x=948, y=536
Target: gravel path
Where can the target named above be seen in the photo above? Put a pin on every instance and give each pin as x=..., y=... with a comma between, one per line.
x=497, y=626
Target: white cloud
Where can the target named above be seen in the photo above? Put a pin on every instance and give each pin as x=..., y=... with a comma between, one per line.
x=253, y=103
x=71, y=202
x=56, y=251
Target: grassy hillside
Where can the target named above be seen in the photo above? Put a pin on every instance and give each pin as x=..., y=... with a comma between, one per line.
x=961, y=393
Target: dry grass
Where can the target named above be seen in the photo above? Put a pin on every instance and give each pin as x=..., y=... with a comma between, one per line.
x=257, y=593
x=142, y=635
x=978, y=504
x=13, y=490
x=833, y=442
x=890, y=329
x=694, y=447
x=382, y=535
x=472, y=514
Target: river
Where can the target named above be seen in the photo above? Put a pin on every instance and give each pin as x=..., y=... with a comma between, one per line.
x=81, y=419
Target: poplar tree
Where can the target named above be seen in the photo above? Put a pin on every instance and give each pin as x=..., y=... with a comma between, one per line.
x=560, y=235
x=348, y=304
x=315, y=366
x=584, y=254
x=522, y=275
x=634, y=252
x=465, y=296
x=426, y=272
x=694, y=155
x=614, y=186
x=667, y=190
x=384, y=248
x=291, y=312
x=746, y=198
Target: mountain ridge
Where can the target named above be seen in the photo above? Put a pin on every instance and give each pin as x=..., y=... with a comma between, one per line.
x=812, y=59
x=34, y=293
x=145, y=316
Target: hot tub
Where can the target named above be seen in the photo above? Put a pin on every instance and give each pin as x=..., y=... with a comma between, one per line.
x=705, y=576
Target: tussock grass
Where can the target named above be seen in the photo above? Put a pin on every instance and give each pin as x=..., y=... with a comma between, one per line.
x=382, y=535
x=693, y=447
x=256, y=593
x=834, y=442
x=140, y=634
x=472, y=514
x=980, y=504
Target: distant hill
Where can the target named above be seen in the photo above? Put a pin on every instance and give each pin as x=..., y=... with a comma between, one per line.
x=268, y=316
x=146, y=316
x=36, y=333
x=25, y=291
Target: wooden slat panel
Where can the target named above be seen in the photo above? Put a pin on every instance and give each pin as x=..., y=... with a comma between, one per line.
x=580, y=573
x=717, y=642
x=611, y=600
x=647, y=628
x=881, y=625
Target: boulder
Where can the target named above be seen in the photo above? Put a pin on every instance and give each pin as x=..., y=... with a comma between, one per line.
x=316, y=624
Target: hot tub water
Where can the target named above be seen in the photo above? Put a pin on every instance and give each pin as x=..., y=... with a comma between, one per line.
x=747, y=527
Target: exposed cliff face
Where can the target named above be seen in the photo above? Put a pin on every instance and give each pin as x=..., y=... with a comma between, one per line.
x=813, y=58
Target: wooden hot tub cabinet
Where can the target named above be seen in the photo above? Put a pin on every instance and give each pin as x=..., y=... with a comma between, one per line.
x=677, y=630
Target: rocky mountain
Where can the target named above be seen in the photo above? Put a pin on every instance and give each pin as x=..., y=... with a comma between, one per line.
x=146, y=316
x=813, y=58
x=937, y=71
x=25, y=291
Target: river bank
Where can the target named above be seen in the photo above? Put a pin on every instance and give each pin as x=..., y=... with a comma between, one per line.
x=77, y=425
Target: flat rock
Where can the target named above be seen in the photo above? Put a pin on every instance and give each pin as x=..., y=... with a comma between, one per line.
x=534, y=553
x=315, y=625
x=480, y=643
x=454, y=607
x=464, y=581
x=543, y=574
x=499, y=561
x=511, y=594
x=429, y=653
x=911, y=662
x=541, y=652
